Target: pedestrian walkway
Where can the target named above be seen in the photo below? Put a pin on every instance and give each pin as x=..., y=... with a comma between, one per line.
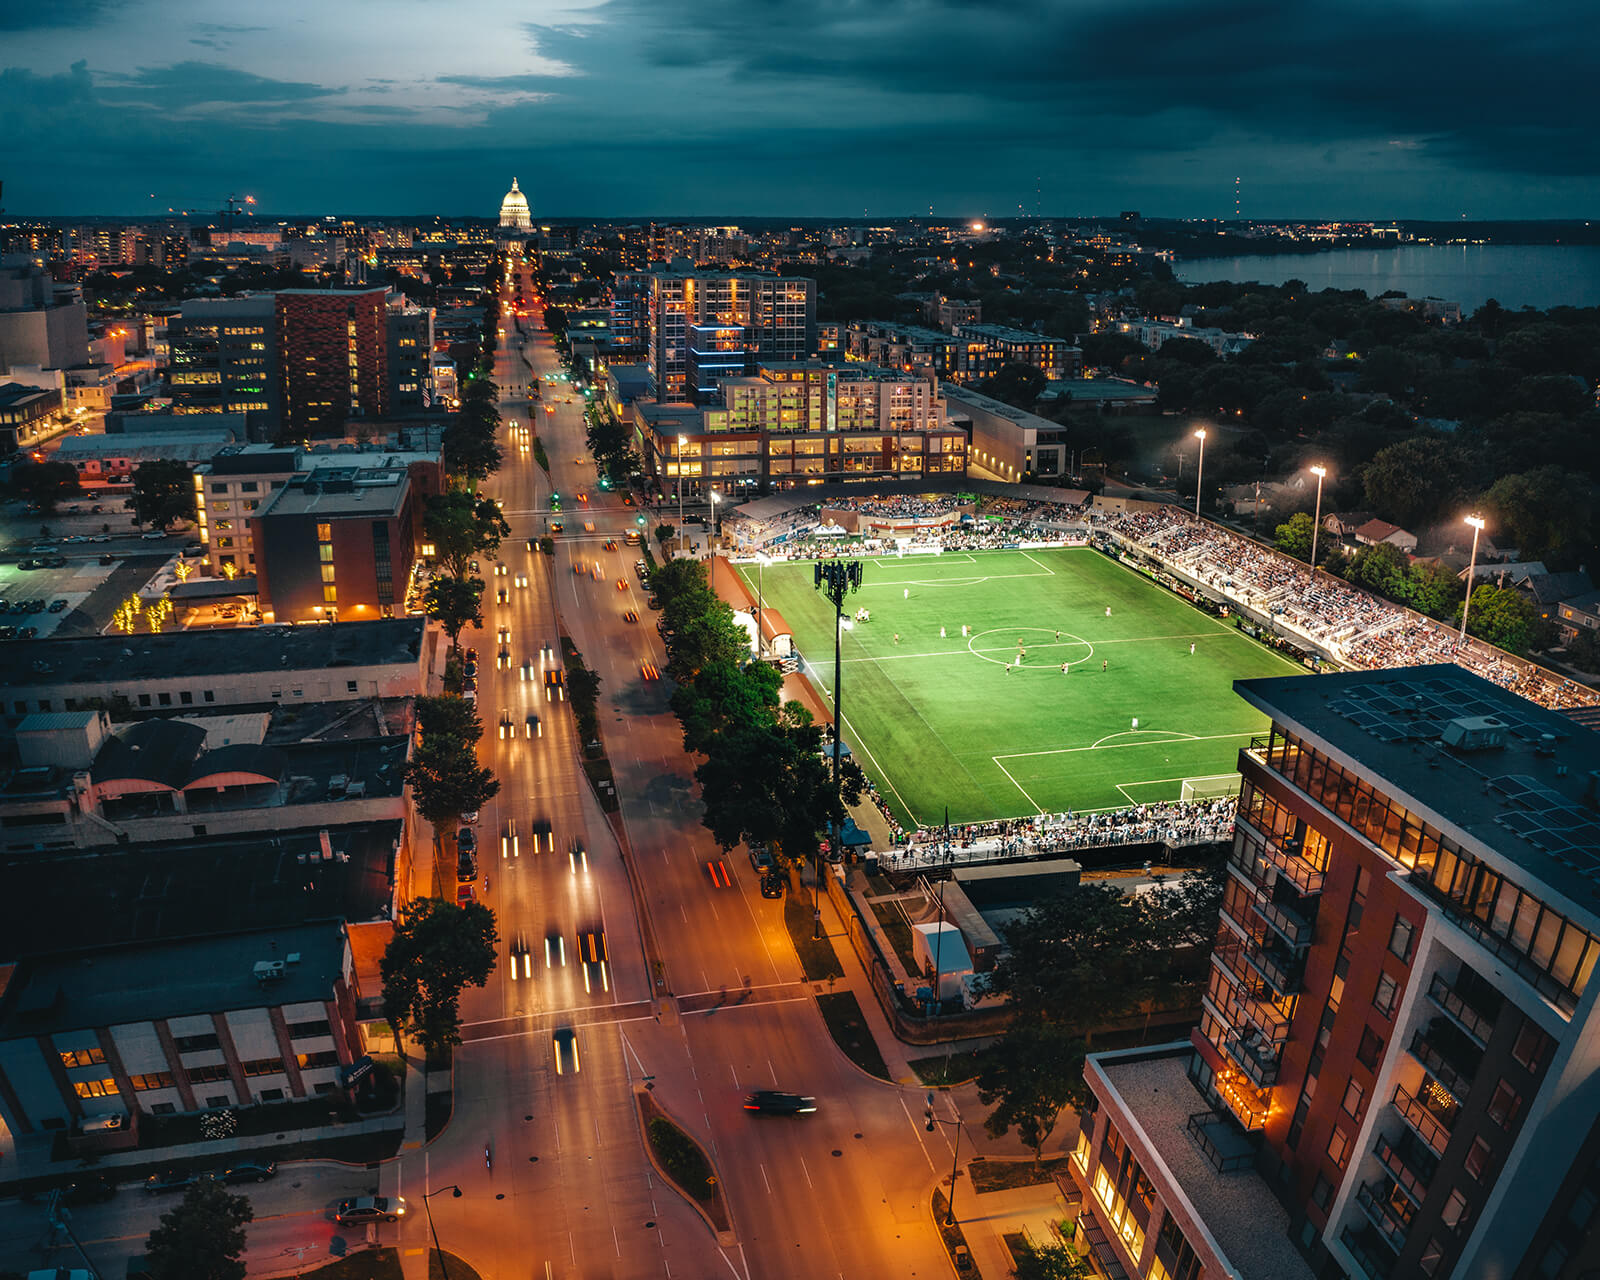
x=410, y=1169
x=1032, y=1212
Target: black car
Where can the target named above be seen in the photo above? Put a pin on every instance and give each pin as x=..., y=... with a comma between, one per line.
x=108, y=558
x=772, y=885
x=466, y=868
x=466, y=841
x=174, y=1180
x=90, y=1190
x=54, y=562
x=775, y=1103
x=251, y=1171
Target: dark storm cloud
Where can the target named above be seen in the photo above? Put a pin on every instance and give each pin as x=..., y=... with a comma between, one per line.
x=34, y=15
x=191, y=84
x=1478, y=81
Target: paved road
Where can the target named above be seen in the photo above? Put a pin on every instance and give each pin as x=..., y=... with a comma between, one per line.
x=739, y=1017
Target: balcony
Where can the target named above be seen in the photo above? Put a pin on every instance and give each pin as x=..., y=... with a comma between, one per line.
x=1286, y=858
x=1257, y=1060
x=1429, y=1123
x=1473, y=1023
x=1378, y=1203
x=1447, y=1056
x=1369, y=1252
x=1224, y=1147
x=1410, y=1162
x=1247, y=1103
x=1230, y=992
x=1280, y=972
x=1289, y=925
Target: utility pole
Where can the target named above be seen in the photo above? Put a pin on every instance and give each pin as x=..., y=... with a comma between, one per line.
x=835, y=579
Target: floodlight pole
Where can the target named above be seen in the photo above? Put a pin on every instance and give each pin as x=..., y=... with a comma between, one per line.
x=1477, y=523
x=835, y=579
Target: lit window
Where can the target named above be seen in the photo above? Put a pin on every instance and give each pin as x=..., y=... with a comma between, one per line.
x=329, y=595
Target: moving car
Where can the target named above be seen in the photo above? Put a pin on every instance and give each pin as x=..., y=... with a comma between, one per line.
x=364, y=1209
x=565, y=1044
x=761, y=858
x=774, y=1102
x=155, y=535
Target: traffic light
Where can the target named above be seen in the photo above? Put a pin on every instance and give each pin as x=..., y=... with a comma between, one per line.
x=928, y=1114
x=641, y=521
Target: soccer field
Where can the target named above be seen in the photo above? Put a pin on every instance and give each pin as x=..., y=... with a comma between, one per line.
x=940, y=720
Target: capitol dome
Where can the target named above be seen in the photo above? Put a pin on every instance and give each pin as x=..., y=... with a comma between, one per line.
x=514, y=210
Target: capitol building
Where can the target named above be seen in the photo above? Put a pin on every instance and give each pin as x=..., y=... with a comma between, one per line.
x=514, y=210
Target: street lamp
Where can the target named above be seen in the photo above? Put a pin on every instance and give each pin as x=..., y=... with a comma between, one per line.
x=1316, y=521
x=835, y=579
x=682, y=440
x=716, y=532
x=1200, y=471
x=955, y=1155
x=761, y=564
x=1477, y=523
x=455, y=1193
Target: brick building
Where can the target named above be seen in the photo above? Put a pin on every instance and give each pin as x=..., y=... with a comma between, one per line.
x=333, y=358
x=1398, y=1067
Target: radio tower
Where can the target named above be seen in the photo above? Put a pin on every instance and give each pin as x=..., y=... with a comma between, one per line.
x=1236, y=199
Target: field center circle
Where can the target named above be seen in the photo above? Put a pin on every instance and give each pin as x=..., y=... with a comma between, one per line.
x=1070, y=649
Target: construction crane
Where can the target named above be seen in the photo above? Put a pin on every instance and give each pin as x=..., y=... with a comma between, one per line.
x=231, y=206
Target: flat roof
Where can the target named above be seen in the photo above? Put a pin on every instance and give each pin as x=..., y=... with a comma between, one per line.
x=1526, y=801
x=1022, y=418
x=225, y=651
x=1244, y=1218
x=96, y=988
x=63, y=899
x=334, y=492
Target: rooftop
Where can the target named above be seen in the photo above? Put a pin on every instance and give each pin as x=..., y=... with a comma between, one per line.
x=966, y=397
x=66, y=992
x=1527, y=801
x=1240, y=1213
x=340, y=491
x=1004, y=333
x=124, y=660
x=111, y=894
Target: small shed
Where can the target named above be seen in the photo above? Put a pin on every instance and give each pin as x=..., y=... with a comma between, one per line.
x=940, y=951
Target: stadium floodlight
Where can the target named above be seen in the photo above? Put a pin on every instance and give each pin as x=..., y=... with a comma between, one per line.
x=1200, y=471
x=1477, y=523
x=835, y=579
x=1316, y=520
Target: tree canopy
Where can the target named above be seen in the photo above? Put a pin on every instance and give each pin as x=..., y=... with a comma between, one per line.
x=437, y=949
x=460, y=524
x=44, y=484
x=455, y=604
x=447, y=781
x=202, y=1237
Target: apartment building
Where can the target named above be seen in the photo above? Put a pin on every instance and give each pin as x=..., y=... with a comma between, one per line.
x=776, y=317
x=905, y=346
x=1396, y=1069
x=333, y=358
x=988, y=348
x=796, y=423
x=177, y=1025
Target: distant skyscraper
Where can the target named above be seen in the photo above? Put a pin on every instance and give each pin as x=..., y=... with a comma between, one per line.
x=778, y=316
x=514, y=214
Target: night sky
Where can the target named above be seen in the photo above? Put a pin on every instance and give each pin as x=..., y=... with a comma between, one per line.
x=1402, y=108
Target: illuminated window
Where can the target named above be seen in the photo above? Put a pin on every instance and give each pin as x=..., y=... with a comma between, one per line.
x=83, y=1057
x=326, y=552
x=154, y=1080
x=327, y=573
x=330, y=595
x=95, y=1088
x=324, y=533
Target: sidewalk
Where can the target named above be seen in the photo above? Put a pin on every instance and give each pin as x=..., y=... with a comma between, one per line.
x=408, y=1169
x=986, y=1219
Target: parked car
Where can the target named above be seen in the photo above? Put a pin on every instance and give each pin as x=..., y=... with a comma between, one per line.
x=108, y=558
x=772, y=885
x=91, y=1189
x=466, y=841
x=175, y=1180
x=761, y=858
x=251, y=1171
x=364, y=1209
x=155, y=535
x=56, y=606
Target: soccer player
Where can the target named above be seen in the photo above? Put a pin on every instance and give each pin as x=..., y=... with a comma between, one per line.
x=1191, y=648
x=1103, y=664
x=1108, y=611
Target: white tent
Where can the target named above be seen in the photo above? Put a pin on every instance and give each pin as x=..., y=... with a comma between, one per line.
x=939, y=949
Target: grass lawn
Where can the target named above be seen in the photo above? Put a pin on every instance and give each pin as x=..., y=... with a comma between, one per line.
x=941, y=720
x=818, y=960
x=848, y=1027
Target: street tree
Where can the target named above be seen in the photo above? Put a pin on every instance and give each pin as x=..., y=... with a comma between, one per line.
x=437, y=949
x=44, y=484
x=723, y=696
x=1503, y=617
x=1293, y=537
x=202, y=1238
x=1034, y=1071
x=461, y=524
x=471, y=451
x=163, y=492
x=446, y=781
x=455, y=604
x=447, y=717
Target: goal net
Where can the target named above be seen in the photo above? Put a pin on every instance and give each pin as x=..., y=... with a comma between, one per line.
x=1209, y=788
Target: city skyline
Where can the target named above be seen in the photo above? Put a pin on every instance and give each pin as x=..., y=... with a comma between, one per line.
x=619, y=108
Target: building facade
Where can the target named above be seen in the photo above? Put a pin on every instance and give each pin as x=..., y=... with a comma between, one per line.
x=224, y=358
x=176, y=1026
x=1399, y=1036
x=333, y=359
x=777, y=314
x=988, y=348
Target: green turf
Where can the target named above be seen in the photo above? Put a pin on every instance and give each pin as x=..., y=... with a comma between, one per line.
x=940, y=721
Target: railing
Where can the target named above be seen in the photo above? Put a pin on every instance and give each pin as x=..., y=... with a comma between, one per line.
x=1477, y=1026
x=1293, y=928
x=1305, y=877
x=1199, y=1127
x=1382, y=1216
x=1246, y=1110
x=1399, y=1162
x=1374, y=1263
x=1453, y=1078
x=1282, y=978
x=1265, y=1018
x=1261, y=1067
x=1427, y=1126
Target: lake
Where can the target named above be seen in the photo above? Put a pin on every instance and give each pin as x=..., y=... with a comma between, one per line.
x=1515, y=275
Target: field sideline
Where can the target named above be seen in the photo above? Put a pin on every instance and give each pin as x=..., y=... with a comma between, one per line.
x=961, y=721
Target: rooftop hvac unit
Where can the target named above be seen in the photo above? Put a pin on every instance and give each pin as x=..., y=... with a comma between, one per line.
x=268, y=970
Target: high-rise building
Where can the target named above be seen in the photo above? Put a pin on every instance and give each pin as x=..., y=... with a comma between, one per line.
x=514, y=215
x=223, y=358
x=40, y=326
x=410, y=336
x=1397, y=1073
x=777, y=313
x=333, y=359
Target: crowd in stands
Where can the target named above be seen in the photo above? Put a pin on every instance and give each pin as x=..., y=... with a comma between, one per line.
x=1359, y=629
x=1174, y=823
